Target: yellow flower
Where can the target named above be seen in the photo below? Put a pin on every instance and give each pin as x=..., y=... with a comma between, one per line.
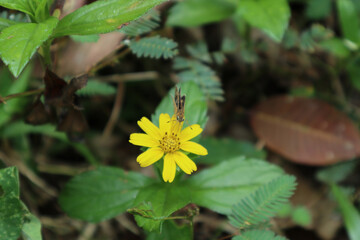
x=169, y=139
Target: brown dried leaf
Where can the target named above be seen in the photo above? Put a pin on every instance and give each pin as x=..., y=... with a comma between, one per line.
x=306, y=131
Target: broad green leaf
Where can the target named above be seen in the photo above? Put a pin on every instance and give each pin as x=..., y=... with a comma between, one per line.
x=171, y=231
x=4, y=23
x=20, y=5
x=335, y=46
x=12, y=211
x=349, y=20
x=41, y=10
x=32, y=228
x=271, y=16
x=200, y=12
x=223, y=185
x=164, y=199
x=336, y=173
x=19, y=42
x=101, y=194
x=258, y=234
x=318, y=9
x=353, y=69
x=224, y=149
x=103, y=16
x=349, y=212
x=85, y=38
x=17, y=129
x=14, y=86
x=195, y=105
x=301, y=215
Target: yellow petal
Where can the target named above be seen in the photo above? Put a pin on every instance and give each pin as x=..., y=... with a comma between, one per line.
x=164, y=122
x=190, y=132
x=141, y=139
x=169, y=168
x=150, y=156
x=148, y=127
x=193, y=147
x=184, y=162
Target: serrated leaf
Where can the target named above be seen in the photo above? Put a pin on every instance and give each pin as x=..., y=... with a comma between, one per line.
x=102, y=16
x=271, y=16
x=20, y=5
x=165, y=199
x=225, y=149
x=195, y=105
x=257, y=235
x=19, y=42
x=12, y=211
x=199, y=12
x=225, y=184
x=142, y=25
x=154, y=47
x=101, y=194
x=349, y=20
x=350, y=214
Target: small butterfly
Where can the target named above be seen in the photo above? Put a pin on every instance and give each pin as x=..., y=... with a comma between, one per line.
x=179, y=105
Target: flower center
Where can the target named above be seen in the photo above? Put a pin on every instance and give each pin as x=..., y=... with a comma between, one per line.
x=170, y=143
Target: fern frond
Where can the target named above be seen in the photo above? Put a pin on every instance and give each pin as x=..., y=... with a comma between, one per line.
x=258, y=235
x=6, y=19
x=264, y=203
x=97, y=88
x=204, y=76
x=145, y=24
x=154, y=47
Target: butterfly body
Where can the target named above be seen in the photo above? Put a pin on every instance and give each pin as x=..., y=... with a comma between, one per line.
x=179, y=105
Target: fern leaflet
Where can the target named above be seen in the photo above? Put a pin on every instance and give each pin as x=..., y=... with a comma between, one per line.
x=143, y=25
x=257, y=235
x=264, y=203
x=154, y=47
x=204, y=76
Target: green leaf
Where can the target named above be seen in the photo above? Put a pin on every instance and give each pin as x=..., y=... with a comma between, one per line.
x=353, y=70
x=202, y=75
x=102, y=16
x=11, y=87
x=12, y=211
x=195, y=105
x=224, y=149
x=145, y=24
x=336, y=173
x=94, y=87
x=85, y=38
x=4, y=23
x=164, y=199
x=349, y=212
x=32, y=228
x=17, y=129
x=318, y=9
x=20, y=5
x=171, y=231
x=271, y=16
x=264, y=203
x=349, y=20
x=257, y=235
x=154, y=47
x=19, y=42
x=101, y=194
x=335, y=46
x=225, y=184
x=301, y=215
x=199, y=12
